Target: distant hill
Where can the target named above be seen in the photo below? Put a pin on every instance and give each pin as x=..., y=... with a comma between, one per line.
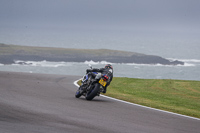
x=10, y=53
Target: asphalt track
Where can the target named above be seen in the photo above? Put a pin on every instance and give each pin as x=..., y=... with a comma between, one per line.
x=40, y=103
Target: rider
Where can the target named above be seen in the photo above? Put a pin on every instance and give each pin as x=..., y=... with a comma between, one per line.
x=107, y=73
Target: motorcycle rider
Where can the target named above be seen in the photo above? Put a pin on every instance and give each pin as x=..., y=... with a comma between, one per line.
x=106, y=72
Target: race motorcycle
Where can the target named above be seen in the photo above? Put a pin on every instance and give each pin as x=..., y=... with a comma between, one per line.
x=93, y=84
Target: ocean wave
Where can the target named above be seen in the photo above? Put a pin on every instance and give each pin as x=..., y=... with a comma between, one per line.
x=188, y=64
x=134, y=64
x=190, y=60
x=159, y=65
x=130, y=64
x=98, y=62
x=45, y=63
x=185, y=60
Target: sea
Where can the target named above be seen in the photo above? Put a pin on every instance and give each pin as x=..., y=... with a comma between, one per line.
x=165, y=45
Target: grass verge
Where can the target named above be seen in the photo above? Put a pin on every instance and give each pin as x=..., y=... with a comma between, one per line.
x=179, y=96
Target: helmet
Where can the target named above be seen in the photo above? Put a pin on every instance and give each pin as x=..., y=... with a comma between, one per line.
x=108, y=66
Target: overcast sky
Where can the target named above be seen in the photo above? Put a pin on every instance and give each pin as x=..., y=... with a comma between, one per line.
x=168, y=13
x=150, y=18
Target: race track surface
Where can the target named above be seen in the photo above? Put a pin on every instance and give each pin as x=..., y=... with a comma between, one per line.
x=40, y=103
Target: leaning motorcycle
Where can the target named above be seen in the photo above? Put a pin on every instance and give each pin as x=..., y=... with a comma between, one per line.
x=93, y=84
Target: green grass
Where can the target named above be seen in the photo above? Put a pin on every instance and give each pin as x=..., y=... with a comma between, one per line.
x=179, y=96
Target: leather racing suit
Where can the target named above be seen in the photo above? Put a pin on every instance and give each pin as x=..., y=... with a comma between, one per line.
x=104, y=71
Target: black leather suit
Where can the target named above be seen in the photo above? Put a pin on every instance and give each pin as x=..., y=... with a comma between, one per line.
x=106, y=71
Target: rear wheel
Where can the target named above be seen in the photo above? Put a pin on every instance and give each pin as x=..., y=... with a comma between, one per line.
x=91, y=94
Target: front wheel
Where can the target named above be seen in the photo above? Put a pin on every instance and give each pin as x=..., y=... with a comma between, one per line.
x=93, y=92
x=78, y=93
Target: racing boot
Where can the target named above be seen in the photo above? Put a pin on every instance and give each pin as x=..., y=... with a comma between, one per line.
x=104, y=90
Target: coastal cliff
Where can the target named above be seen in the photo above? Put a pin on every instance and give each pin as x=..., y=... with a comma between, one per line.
x=10, y=53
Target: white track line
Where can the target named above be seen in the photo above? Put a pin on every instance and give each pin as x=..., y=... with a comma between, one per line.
x=76, y=84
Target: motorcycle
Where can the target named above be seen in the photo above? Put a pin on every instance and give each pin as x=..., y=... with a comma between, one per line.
x=93, y=84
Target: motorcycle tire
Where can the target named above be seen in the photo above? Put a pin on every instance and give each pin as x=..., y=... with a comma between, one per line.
x=90, y=95
x=78, y=93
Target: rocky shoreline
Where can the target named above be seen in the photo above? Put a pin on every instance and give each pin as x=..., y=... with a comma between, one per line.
x=10, y=53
